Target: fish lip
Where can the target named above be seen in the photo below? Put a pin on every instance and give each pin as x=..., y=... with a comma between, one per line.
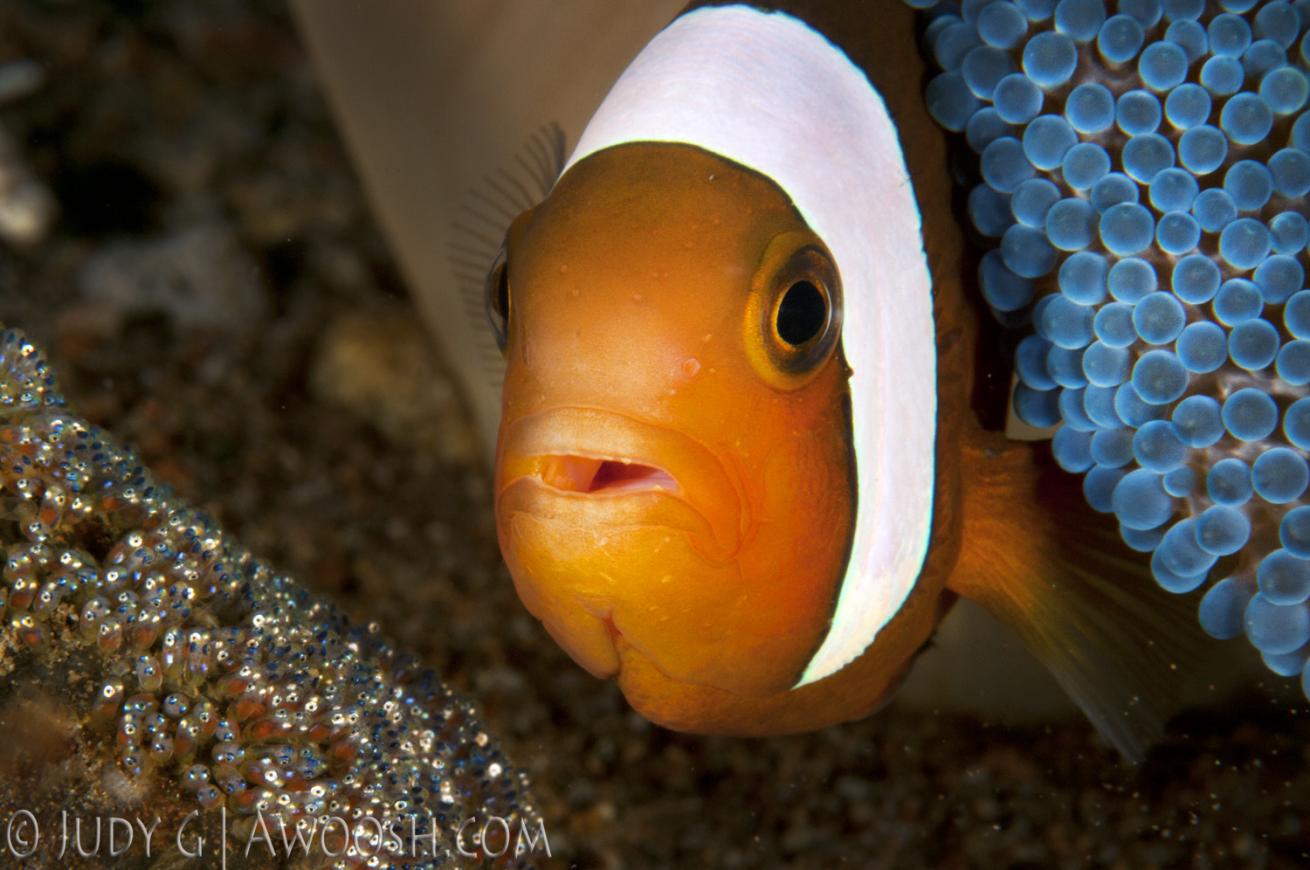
x=701, y=481
x=650, y=483
x=621, y=647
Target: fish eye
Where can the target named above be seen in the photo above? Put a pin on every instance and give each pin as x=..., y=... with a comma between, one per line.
x=496, y=298
x=802, y=313
x=796, y=300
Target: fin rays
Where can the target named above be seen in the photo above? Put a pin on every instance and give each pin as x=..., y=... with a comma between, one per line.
x=1040, y=559
x=485, y=214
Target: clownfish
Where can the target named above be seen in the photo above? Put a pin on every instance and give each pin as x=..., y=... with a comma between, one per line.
x=747, y=459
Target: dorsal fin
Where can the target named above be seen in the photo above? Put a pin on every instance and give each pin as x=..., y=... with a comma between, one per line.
x=485, y=214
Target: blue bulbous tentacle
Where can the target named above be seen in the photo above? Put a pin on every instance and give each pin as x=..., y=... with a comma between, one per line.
x=1140, y=195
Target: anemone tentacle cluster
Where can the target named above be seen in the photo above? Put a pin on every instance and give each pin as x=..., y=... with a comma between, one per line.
x=221, y=676
x=1143, y=168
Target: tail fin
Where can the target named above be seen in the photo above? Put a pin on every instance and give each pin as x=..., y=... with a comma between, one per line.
x=1039, y=558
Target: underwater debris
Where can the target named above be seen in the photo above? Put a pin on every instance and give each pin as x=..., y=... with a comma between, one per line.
x=27, y=208
x=196, y=673
x=378, y=365
x=199, y=276
x=1143, y=182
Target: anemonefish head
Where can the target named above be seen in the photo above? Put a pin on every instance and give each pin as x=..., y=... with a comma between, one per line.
x=714, y=472
x=675, y=470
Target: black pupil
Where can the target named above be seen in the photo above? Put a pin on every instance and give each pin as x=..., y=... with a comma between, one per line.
x=802, y=314
x=502, y=292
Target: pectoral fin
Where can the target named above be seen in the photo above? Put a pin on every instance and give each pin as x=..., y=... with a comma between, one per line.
x=1039, y=558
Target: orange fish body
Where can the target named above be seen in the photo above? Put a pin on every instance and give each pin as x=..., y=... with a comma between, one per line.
x=739, y=467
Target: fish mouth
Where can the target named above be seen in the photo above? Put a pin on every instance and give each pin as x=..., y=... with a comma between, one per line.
x=600, y=515
x=593, y=475
x=604, y=467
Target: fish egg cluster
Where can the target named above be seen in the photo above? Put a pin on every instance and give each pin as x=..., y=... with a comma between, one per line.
x=1144, y=166
x=215, y=673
